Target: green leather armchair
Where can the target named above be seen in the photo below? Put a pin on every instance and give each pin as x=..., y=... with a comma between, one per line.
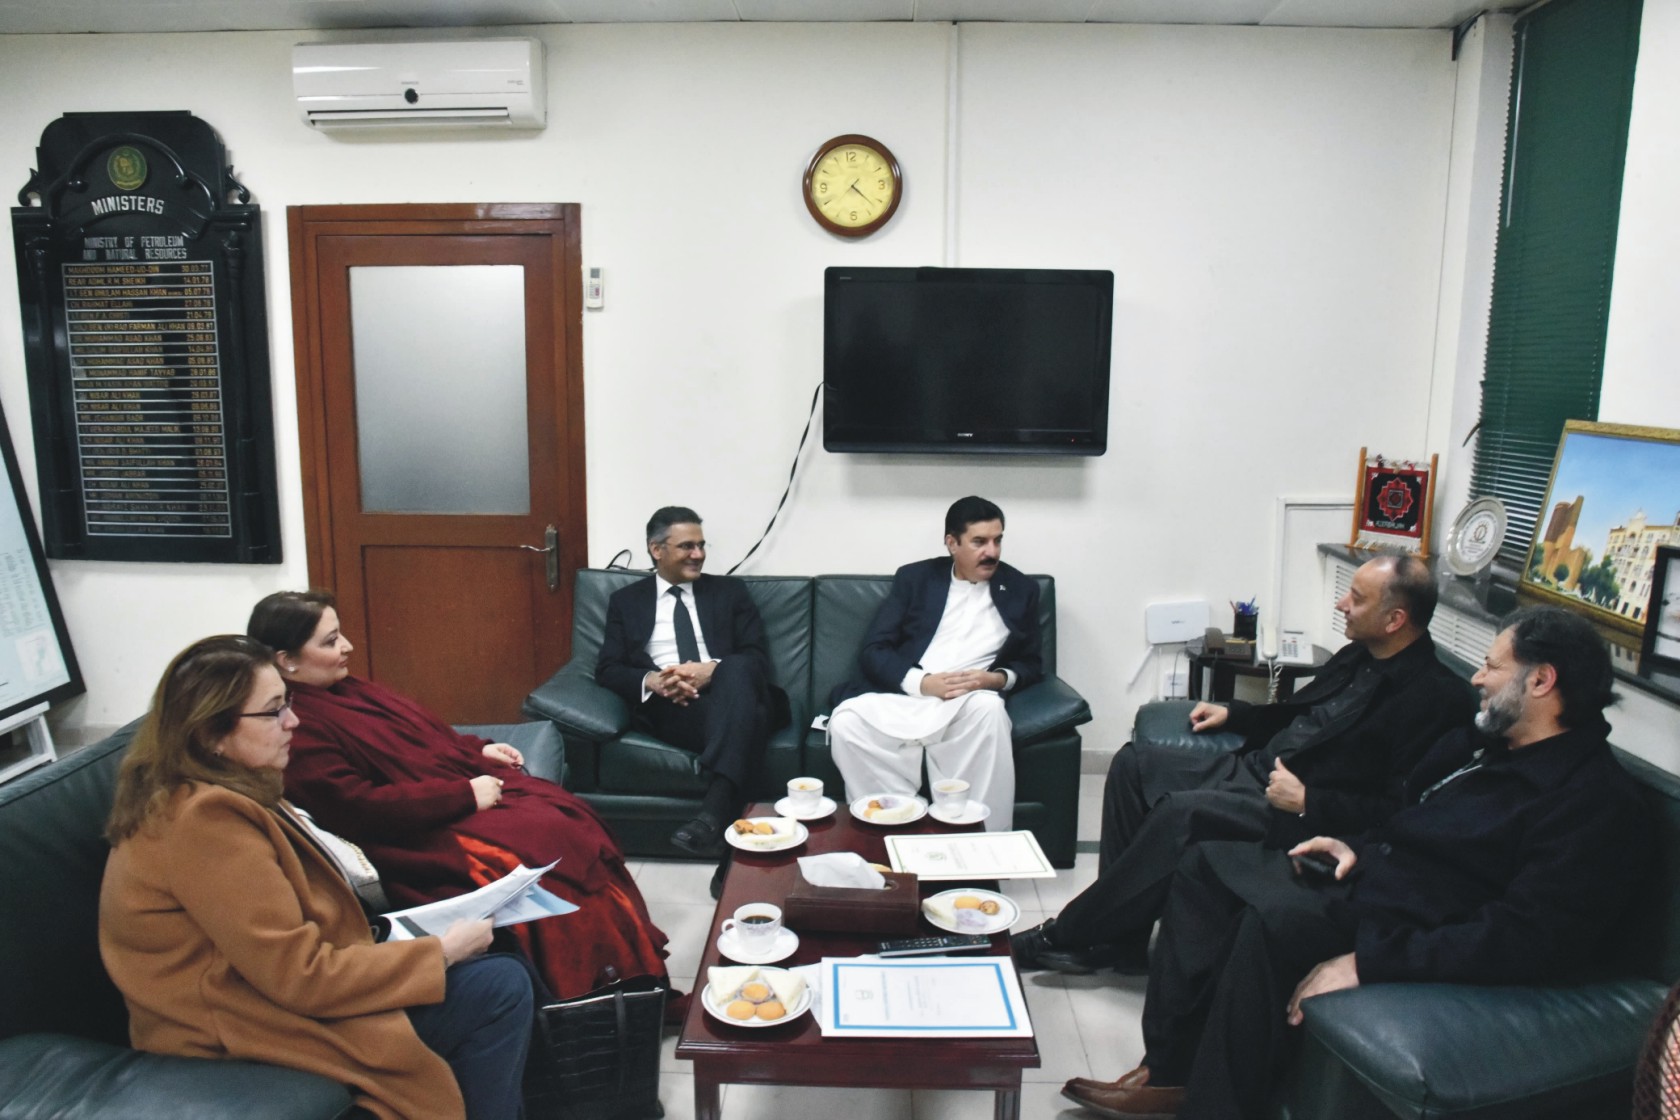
x=814, y=626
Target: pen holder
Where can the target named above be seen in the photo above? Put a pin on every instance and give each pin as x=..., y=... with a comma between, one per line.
x=1244, y=626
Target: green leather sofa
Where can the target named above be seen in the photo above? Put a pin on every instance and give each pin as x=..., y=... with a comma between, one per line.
x=64, y=1049
x=815, y=626
x=1475, y=1052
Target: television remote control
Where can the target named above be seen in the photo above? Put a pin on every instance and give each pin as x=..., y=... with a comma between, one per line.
x=918, y=946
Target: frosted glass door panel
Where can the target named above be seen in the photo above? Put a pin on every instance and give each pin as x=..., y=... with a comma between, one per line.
x=440, y=388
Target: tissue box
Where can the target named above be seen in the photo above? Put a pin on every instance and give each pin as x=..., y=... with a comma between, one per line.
x=894, y=909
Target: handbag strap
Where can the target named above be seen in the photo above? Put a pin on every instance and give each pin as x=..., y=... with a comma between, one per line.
x=621, y=1009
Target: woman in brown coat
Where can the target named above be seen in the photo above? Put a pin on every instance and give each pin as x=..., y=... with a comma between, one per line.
x=232, y=934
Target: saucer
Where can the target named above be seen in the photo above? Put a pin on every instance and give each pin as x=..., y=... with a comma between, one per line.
x=973, y=813
x=825, y=807
x=780, y=950
x=1007, y=915
x=716, y=1010
x=917, y=807
x=773, y=843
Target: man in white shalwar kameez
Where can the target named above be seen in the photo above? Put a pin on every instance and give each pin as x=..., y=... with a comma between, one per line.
x=954, y=636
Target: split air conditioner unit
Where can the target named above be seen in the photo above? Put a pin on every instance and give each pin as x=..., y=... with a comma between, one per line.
x=494, y=82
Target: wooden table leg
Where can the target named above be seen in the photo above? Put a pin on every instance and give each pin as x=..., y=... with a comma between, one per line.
x=1006, y=1104
x=707, y=1103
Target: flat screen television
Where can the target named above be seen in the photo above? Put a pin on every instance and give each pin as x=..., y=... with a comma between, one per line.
x=994, y=360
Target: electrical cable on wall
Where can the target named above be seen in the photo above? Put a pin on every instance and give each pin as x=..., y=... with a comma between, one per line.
x=792, y=470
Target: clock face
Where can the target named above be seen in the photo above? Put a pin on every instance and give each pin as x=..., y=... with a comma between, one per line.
x=852, y=186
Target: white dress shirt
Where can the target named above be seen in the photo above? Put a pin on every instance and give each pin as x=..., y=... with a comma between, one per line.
x=662, y=643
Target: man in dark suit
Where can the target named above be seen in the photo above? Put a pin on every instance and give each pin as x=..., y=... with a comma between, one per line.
x=1519, y=848
x=687, y=652
x=1330, y=760
x=954, y=634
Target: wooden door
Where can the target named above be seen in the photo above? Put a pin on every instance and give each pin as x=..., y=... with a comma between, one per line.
x=440, y=417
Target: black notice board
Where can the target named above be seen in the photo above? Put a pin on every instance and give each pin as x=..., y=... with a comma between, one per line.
x=146, y=343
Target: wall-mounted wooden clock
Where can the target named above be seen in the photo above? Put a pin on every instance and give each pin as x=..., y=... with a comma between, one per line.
x=853, y=186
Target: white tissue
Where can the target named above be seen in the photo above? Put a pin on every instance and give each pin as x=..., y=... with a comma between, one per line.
x=840, y=869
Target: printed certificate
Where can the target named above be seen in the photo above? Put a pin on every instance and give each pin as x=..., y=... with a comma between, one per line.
x=932, y=997
x=969, y=856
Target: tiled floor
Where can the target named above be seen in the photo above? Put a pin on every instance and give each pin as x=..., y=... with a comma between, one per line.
x=1086, y=1026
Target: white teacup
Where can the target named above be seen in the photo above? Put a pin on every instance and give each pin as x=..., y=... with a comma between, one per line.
x=950, y=796
x=756, y=925
x=805, y=794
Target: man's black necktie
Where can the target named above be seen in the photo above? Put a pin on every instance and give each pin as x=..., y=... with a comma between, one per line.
x=688, y=649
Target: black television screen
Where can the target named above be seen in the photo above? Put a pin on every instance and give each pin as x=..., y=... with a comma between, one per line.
x=997, y=360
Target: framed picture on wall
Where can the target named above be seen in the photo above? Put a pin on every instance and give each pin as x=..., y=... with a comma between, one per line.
x=1662, y=616
x=1613, y=500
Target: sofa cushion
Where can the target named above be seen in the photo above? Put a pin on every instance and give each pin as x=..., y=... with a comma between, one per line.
x=784, y=603
x=66, y=1078
x=1651, y=946
x=52, y=857
x=590, y=591
x=1429, y=1051
x=639, y=763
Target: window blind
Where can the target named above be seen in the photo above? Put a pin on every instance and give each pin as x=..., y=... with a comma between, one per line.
x=1566, y=141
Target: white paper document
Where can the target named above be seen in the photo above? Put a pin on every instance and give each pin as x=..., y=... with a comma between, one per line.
x=930, y=997
x=970, y=856
x=512, y=899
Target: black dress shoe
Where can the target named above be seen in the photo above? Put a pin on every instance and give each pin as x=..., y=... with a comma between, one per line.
x=699, y=837
x=1036, y=949
x=1029, y=946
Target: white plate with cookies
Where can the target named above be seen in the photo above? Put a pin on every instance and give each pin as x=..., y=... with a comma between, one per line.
x=971, y=910
x=765, y=834
x=889, y=808
x=750, y=996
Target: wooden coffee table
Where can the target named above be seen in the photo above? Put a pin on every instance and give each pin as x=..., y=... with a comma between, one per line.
x=797, y=1053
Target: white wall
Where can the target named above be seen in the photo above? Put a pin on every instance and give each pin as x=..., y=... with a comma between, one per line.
x=1640, y=386
x=1272, y=202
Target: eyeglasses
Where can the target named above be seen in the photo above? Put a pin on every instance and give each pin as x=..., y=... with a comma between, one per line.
x=276, y=714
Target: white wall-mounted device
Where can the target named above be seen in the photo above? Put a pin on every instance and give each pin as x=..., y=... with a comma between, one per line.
x=485, y=82
x=1166, y=623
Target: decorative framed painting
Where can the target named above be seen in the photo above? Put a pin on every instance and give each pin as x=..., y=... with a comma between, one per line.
x=1613, y=500
x=1662, y=615
x=1394, y=505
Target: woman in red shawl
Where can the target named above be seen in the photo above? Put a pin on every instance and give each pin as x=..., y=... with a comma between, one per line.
x=440, y=813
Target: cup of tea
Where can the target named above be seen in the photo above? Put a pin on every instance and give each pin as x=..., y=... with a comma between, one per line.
x=756, y=925
x=950, y=796
x=805, y=794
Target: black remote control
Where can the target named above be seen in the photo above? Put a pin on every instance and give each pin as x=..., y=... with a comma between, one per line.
x=918, y=946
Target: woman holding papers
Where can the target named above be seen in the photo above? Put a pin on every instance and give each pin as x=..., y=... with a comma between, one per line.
x=440, y=813
x=232, y=933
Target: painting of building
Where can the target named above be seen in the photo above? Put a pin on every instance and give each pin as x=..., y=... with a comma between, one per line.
x=1632, y=549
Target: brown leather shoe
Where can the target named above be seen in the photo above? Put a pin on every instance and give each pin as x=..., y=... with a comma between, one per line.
x=1129, y=1098
x=1136, y=1079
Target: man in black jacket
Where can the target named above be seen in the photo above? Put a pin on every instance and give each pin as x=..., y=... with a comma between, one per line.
x=1330, y=760
x=1519, y=848
x=687, y=653
x=954, y=635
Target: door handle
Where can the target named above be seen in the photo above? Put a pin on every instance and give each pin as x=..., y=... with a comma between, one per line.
x=551, y=546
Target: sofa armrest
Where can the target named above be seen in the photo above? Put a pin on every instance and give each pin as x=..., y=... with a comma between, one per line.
x=1166, y=723
x=78, y=1079
x=1438, y=1050
x=579, y=706
x=1046, y=708
x=539, y=741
